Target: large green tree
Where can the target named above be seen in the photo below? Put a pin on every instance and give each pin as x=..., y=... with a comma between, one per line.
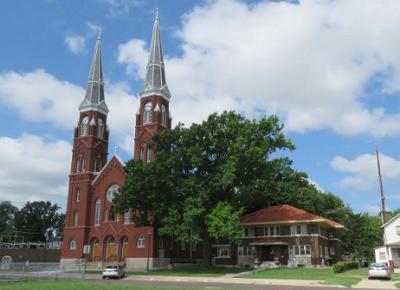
x=37, y=220
x=7, y=215
x=224, y=159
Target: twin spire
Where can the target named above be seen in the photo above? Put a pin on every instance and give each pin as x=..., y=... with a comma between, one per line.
x=94, y=98
x=155, y=82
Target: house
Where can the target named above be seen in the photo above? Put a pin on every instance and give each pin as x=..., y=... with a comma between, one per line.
x=283, y=235
x=390, y=251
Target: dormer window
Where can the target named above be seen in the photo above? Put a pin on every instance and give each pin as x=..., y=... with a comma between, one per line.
x=85, y=126
x=147, y=114
x=100, y=129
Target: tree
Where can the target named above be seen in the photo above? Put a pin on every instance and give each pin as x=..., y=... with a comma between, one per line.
x=36, y=219
x=224, y=159
x=7, y=214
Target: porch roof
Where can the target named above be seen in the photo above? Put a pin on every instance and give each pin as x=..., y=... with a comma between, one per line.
x=268, y=242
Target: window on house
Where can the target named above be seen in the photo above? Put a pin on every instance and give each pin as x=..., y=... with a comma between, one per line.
x=100, y=129
x=72, y=245
x=332, y=251
x=300, y=250
x=85, y=126
x=147, y=115
x=246, y=232
x=298, y=230
x=223, y=252
x=246, y=251
x=76, y=216
x=97, y=212
x=77, y=195
x=112, y=216
x=140, y=242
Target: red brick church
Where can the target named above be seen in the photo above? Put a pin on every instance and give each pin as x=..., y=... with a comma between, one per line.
x=93, y=226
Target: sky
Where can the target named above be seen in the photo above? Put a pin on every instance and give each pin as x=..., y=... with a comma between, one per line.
x=329, y=69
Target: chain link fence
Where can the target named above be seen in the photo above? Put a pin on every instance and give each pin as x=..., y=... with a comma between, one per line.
x=31, y=271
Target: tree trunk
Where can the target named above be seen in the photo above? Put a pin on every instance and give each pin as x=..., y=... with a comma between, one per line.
x=206, y=250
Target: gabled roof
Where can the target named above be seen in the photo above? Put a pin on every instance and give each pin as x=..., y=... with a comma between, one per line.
x=285, y=214
x=116, y=157
x=391, y=220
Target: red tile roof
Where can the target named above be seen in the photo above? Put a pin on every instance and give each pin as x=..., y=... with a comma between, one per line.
x=267, y=241
x=285, y=213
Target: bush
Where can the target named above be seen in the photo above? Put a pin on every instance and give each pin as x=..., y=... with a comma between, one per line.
x=340, y=267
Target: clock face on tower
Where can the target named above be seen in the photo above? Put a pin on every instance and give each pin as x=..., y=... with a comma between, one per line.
x=147, y=106
x=111, y=191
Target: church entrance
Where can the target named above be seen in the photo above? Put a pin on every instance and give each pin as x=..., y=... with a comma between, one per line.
x=96, y=250
x=111, y=252
x=124, y=248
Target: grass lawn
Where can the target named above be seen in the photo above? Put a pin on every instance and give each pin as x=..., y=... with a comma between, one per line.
x=186, y=271
x=325, y=275
x=77, y=285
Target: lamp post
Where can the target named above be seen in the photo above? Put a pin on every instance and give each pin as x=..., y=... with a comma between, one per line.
x=148, y=250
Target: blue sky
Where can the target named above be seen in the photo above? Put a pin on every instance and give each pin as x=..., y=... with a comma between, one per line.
x=330, y=70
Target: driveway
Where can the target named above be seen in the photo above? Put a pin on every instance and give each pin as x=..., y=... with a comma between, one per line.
x=375, y=284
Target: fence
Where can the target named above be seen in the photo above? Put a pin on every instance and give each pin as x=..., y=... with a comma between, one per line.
x=32, y=271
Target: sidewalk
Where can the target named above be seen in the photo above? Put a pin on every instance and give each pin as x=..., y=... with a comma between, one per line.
x=231, y=280
x=375, y=284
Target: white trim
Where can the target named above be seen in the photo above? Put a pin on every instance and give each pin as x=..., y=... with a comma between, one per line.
x=391, y=220
x=150, y=94
x=105, y=166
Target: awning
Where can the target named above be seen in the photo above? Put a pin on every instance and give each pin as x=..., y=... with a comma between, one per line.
x=268, y=242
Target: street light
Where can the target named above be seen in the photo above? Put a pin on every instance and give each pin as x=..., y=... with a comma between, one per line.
x=148, y=249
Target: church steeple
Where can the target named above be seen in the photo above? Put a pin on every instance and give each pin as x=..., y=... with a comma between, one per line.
x=155, y=82
x=94, y=98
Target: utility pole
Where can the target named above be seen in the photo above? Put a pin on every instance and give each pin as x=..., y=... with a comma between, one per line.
x=380, y=186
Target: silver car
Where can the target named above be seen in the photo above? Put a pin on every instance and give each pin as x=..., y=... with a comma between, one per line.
x=378, y=270
x=113, y=272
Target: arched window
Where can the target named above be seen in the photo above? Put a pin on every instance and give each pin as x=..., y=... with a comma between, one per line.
x=97, y=212
x=77, y=195
x=148, y=154
x=111, y=192
x=85, y=126
x=140, y=242
x=147, y=115
x=76, y=217
x=100, y=128
x=163, y=115
x=141, y=154
x=112, y=215
x=106, y=215
x=83, y=165
x=78, y=165
x=72, y=245
x=110, y=241
x=127, y=217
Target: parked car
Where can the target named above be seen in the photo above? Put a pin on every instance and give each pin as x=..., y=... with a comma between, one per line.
x=113, y=272
x=378, y=270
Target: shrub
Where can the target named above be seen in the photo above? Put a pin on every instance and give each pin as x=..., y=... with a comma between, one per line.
x=340, y=267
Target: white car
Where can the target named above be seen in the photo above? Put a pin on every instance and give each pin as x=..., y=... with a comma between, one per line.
x=378, y=270
x=113, y=272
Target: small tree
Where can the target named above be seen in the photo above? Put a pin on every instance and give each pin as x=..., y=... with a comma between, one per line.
x=224, y=223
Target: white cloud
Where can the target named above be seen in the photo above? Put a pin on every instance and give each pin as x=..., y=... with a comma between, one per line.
x=75, y=43
x=364, y=173
x=308, y=63
x=40, y=97
x=33, y=169
x=134, y=55
x=118, y=8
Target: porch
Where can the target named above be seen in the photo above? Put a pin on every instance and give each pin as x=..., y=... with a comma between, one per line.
x=270, y=252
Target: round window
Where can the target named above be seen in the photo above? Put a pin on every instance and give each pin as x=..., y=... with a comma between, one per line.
x=112, y=190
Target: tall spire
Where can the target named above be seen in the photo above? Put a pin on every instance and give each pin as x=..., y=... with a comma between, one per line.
x=155, y=82
x=94, y=98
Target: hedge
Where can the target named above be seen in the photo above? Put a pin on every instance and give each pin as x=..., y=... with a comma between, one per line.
x=340, y=267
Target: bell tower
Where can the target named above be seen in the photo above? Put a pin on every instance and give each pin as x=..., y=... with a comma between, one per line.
x=153, y=115
x=89, y=155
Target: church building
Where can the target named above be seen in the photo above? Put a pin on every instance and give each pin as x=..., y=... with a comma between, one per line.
x=91, y=219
